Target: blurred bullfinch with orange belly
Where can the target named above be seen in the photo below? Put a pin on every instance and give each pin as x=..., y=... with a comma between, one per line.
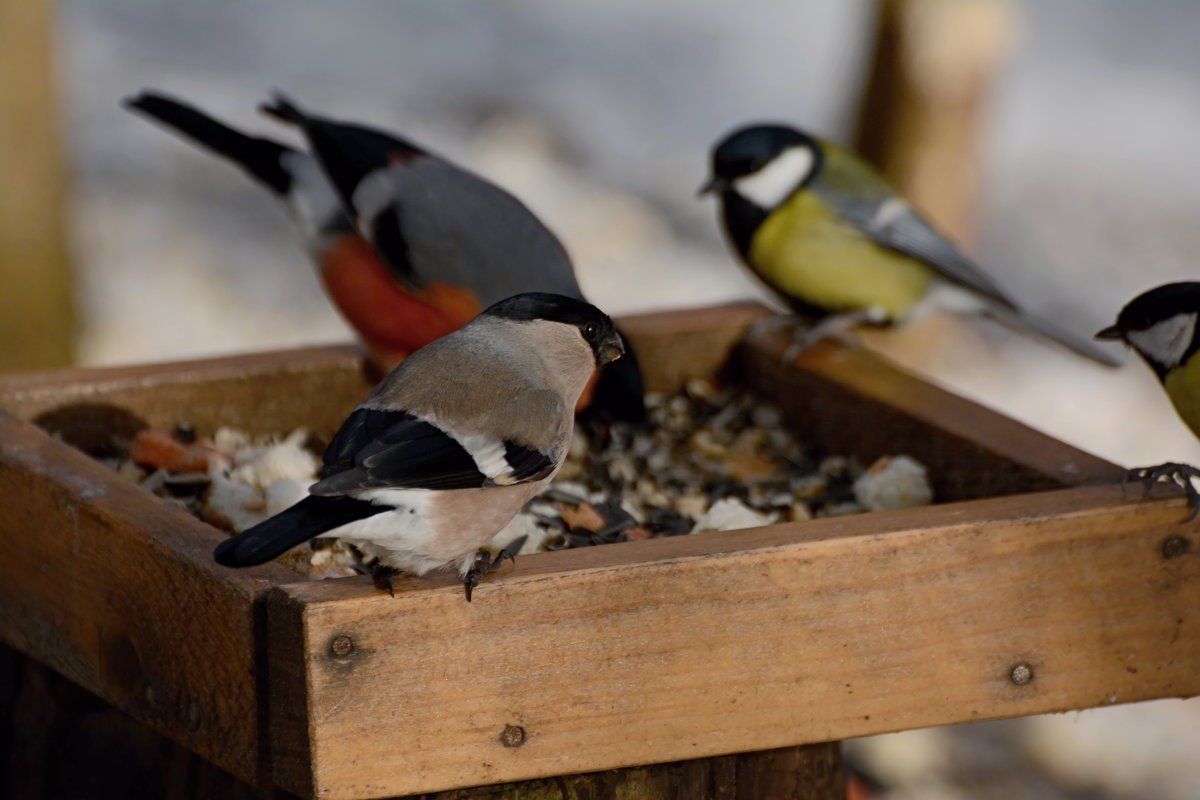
x=433, y=221
x=450, y=446
x=392, y=320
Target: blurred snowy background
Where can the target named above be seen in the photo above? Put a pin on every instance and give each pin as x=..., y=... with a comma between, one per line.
x=599, y=115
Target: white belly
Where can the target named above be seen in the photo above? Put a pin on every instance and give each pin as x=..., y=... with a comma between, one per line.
x=430, y=529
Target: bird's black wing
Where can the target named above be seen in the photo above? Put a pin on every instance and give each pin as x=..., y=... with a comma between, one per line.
x=348, y=154
x=260, y=157
x=863, y=199
x=376, y=449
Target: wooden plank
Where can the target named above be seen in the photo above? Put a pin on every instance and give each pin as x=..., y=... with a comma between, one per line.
x=117, y=591
x=674, y=346
x=36, y=306
x=61, y=741
x=314, y=387
x=848, y=400
x=729, y=642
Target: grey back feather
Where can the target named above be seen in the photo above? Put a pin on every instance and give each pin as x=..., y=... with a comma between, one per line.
x=505, y=379
x=463, y=230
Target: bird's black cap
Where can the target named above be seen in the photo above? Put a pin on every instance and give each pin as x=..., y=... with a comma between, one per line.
x=1154, y=306
x=749, y=149
x=593, y=323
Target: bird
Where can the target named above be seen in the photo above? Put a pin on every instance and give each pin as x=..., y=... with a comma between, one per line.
x=391, y=320
x=446, y=450
x=827, y=234
x=432, y=220
x=1160, y=326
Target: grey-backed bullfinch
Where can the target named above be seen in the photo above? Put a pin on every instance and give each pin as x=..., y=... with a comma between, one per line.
x=433, y=221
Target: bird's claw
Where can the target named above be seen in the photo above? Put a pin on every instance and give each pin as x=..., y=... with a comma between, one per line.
x=485, y=564
x=1181, y=475
x=382, y=576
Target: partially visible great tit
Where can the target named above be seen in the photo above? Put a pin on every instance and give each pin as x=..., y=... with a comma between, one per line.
x=433, y=221
x=828, y=235
x=450, y=446
x=1161, y=326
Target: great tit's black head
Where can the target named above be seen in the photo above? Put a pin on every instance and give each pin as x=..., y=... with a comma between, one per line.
x=764, y=164
x=1160, y=324
x=593, y=324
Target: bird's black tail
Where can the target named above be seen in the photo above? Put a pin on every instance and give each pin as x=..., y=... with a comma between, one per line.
x=260, y=157
x=282, y=108
x=620, y=394
x=306, y=520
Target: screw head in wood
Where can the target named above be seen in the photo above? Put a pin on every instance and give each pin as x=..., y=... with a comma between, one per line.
x=341, y=646
x=1021, y=674
x=512, y=736
x=1175, y=546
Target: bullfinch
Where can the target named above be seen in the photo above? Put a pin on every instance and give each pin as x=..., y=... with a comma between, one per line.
x=450, y=446
x=433, y=221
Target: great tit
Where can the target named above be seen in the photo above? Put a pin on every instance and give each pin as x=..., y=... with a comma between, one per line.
x=433, y=221
x=450, y=446
x=396, y=310
x=828, y=235
x=1161, y=326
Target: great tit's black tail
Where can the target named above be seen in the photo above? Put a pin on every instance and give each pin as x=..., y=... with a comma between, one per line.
x=261, y=158
x=306, y=520
x=1024, y=321
x=620, y=394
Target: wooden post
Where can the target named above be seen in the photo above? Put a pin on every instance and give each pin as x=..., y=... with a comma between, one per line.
x=933, y=67
x=35, y=289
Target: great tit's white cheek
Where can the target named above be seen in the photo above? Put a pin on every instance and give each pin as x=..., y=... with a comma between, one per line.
x=775, y=182
x=1166, y=342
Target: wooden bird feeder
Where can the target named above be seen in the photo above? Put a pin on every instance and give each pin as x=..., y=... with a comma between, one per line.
x=1036, y=585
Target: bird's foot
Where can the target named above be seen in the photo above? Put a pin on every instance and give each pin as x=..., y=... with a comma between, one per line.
x=382, y=576
x=839, y=327
x=1182, y=475
x=485, y=564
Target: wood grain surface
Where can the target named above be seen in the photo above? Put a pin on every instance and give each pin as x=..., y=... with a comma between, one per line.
x=728, y=642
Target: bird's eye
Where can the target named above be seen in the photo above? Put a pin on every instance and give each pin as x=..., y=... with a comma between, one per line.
x=591, y=330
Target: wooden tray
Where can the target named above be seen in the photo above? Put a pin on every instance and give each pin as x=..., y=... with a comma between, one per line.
x=1036, y=586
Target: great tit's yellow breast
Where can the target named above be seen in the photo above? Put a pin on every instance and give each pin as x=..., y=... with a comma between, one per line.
x=1183, y=387
x=802, y=249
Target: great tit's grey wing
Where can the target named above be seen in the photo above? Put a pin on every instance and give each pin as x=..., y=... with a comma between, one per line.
x=861, y=198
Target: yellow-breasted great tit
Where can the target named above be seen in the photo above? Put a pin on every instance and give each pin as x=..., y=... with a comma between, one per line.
x=826, y=232
x=1161, y=326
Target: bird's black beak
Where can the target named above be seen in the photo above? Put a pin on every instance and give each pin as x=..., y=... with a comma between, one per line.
x=1110, y=334
x=713, y=184
x=610, y=350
